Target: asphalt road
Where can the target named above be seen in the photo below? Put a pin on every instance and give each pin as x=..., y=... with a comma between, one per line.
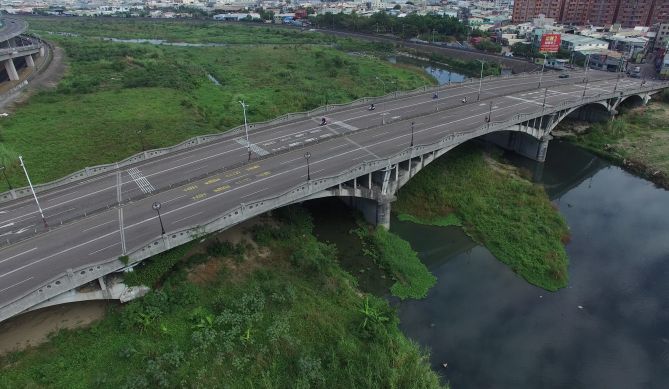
x=12, y=27
x=26, y=264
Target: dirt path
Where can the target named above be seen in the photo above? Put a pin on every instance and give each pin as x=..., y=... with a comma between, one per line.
x=45, y=79
x=33, y=328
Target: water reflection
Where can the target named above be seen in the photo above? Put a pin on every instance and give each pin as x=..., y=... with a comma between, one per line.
x=608, y=329
x=439, y=71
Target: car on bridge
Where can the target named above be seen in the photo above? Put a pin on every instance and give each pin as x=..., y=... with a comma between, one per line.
x=564, y=75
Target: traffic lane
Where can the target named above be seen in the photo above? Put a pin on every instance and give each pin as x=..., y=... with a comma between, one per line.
x=505, y=84
x=52, y=253
x=27, y=222
x=207, y=201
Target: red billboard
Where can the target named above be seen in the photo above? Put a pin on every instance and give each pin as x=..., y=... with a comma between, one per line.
x=550, y=43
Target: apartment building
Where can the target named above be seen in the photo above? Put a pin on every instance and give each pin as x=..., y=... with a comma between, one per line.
x=628, y=13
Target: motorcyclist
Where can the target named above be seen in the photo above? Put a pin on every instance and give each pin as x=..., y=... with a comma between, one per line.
x=435, y=96
x=372, y=107
x=323, y=122
x=464, y=100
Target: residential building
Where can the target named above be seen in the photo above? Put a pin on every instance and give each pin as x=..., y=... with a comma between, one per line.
x=628, y=13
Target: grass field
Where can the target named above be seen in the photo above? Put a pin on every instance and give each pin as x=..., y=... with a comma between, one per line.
x=193, y=31
x=113, y=90
x=637, y=139
x=281, y=315
x=512, y=217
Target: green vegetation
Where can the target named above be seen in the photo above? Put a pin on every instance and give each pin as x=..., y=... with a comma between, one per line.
x=431, y=26
x=395, y=255
x=288, y=319
x=637, y=139
x=188, y=30
x=510, y=216
x=118, y=99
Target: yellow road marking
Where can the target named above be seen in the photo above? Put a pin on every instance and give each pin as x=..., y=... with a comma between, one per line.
x=199, y=196
x=212, y=181
x=264, y=174
x=189, y=188
x=243, y=180
x=222, y=188
x=232, y=174
x=252, y=167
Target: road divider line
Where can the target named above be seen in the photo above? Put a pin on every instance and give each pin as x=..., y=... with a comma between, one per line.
x=186, y=218
x=104, y=248
x=18, y=283
x=98, y=225
x=14, y=256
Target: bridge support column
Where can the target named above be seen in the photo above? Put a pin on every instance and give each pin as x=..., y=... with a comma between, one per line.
x=29, y=61
x=521, y=143
x=11, y=70
x=383, y=214
x=374, y=212
x=542, y=148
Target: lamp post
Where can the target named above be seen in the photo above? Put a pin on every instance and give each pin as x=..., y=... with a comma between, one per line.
x=33, y=191
x=543, y=65
x=489, y=117
x=4, y=173
x=246, y=128
x=585, y=87
x=156, y=207
x=480, y=81
x=307, y=155
x=543, y=106
x=412, y=123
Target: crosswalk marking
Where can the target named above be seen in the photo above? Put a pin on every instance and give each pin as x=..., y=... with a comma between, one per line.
x=254, y=147
x=141, y=181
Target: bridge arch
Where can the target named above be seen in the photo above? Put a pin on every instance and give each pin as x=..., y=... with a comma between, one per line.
x=631, y=101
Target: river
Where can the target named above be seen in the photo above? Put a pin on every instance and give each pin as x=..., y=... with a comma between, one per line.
x=608, y=329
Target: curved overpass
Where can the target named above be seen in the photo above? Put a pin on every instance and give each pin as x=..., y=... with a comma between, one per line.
x=17, y=48
x=208, y=184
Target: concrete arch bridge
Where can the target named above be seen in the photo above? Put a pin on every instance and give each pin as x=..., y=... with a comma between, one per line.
x=101, y=220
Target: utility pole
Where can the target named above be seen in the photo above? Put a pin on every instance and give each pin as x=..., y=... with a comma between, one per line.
x=33, y=191
x=543, y=65
x=307, y=155
x=412, y=123
x=480, y=81
x=246, y=127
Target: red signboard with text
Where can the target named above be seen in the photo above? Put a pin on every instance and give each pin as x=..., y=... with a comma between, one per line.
x=550, y=43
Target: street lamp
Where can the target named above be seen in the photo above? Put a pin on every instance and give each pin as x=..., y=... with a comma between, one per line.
x=4, y=173
x=489, y=117
x=307, y=155
x=480, y=81
x=246, y=127
x=543, y=65
x=33, y=191
x=412, y=123
x=156, y=207
x=543, y=106
x=585, y=87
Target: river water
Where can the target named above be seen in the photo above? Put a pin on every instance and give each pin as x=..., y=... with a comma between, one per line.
x=608, y=329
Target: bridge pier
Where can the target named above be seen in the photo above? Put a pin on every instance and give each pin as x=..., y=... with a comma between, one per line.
x=29, y=61
x=521, y=143
x=373, y=211
x=11, y=70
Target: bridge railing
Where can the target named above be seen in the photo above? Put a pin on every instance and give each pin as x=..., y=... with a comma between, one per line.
x=84, y=274
x=88, y=172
